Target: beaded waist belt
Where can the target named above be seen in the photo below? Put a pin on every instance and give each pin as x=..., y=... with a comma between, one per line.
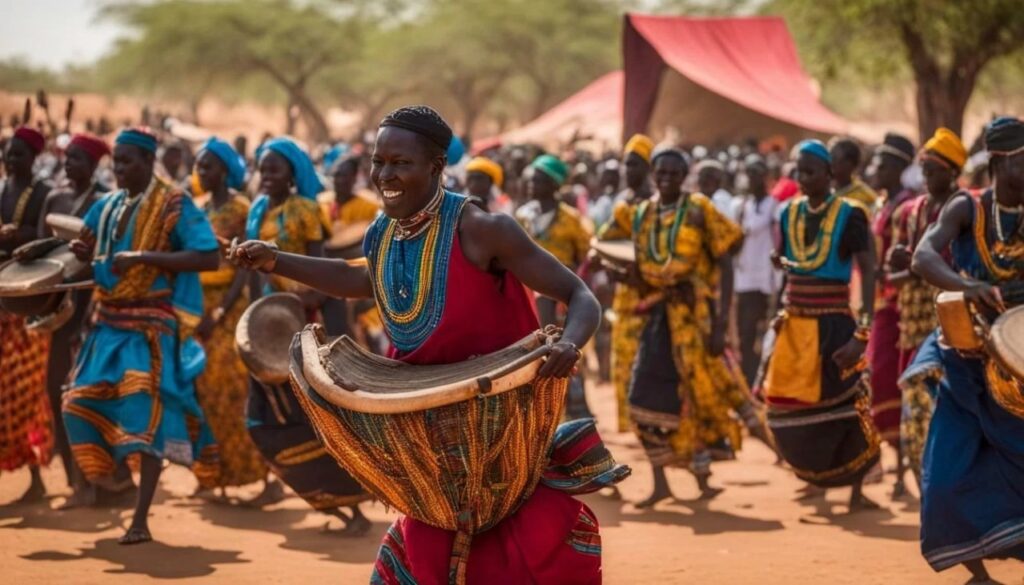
x=810, y=296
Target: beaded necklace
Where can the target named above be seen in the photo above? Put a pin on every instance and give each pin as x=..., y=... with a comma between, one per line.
x=410, y=274
x=811, y=258
x=995, y=257
x=654, y=239
x=21, y=203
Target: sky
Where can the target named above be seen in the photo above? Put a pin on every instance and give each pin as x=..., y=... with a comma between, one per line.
x=54, y=33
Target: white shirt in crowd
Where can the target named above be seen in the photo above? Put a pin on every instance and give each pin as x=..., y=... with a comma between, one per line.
x=723, y=202
x=753, y=265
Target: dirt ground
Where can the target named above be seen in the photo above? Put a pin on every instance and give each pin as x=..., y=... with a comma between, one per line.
x=754, y=532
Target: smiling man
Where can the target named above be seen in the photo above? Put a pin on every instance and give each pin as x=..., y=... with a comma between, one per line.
x=448, y=280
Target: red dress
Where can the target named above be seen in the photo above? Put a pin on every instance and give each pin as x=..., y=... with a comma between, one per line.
x=882, y=351
x=553, y=537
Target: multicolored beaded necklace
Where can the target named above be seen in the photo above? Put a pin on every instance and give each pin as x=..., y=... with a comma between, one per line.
x=661, y=250
x=410, y=273
x=811, y=258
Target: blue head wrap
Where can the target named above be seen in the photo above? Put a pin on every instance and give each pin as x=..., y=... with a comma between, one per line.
x=332, y=155
x=814, y=148
x=307, y=182
x=456, y=150
x=233, y=161
x=137, y=137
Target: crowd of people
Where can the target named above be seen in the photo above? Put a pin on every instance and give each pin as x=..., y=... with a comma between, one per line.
x=783, y=294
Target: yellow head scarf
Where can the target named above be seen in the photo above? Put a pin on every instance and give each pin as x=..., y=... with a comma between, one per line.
x=946, y=143
x=488, y=167
x=641, y=145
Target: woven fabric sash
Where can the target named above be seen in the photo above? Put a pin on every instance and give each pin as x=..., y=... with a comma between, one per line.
x=810, y=296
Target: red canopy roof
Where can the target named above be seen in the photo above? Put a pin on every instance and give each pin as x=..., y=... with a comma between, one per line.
x=594, y=112
x=750, y=61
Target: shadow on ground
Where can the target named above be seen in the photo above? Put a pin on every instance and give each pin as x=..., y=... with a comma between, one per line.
x=284, y=522
x=153, y=559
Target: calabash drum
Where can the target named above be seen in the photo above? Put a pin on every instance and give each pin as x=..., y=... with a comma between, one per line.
x=458, y=446
x=264, y=333
x=346, y=240
x=37, y=282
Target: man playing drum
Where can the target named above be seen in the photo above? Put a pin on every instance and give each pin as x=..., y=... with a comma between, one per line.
x=26, y=437
x=449, y=281
x=972, y=506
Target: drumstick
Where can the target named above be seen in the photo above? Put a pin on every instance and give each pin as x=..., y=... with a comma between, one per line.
x=26, y=115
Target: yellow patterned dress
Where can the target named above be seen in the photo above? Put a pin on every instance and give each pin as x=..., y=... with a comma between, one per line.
x=628, y=325
x=292, y=226
x=681, y=396
x=223, y=387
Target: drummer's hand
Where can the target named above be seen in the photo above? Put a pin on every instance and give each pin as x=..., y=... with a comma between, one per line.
x=776, y=259
x=561, y=362
x=125, y=260
x=254, y=255
x=7, y=231
x=849, y=354
x=82, y=249
x=984, y=294
x=205, y=327
x=899, y=258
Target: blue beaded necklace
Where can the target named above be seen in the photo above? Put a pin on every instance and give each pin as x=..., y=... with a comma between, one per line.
x=410, y=275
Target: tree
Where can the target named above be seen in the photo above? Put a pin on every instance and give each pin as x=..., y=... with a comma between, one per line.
x=188, y=48
x=945, y=46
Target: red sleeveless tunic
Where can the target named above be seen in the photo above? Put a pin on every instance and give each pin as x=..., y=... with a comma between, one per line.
x=483, y=313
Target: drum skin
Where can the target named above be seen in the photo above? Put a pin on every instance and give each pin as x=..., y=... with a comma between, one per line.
x=264, y=334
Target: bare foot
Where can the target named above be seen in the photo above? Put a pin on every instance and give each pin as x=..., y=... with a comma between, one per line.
x=653, y=499
x=874, y=475
x=809, y=492
x=899, y=489
x=273, y=492
x=709, y=493
x=136, y=535
x=354, y=528
x=36, y=491
x=80, y=498
x=862, y=503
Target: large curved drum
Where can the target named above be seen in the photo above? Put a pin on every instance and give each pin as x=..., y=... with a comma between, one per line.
x=618, y=253
x=64, y=226
x=457, y=446
x=346, y=241
x=264, y=334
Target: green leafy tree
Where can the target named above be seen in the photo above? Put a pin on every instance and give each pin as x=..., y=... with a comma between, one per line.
x=191, y=48
x=944, y=46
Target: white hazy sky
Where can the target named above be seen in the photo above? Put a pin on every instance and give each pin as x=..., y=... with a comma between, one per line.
x=54, y=33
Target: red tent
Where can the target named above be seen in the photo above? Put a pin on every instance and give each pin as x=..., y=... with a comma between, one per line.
x=717, y=80
x=593, y=113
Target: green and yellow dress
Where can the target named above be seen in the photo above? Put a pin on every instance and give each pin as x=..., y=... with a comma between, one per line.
x=680, y=395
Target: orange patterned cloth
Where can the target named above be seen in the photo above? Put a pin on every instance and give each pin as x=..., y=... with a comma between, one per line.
x=223, y=386
x=26, y=434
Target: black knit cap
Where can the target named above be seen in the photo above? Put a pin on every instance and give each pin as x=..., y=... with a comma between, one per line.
x=1004, y=136
x=422, y=120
